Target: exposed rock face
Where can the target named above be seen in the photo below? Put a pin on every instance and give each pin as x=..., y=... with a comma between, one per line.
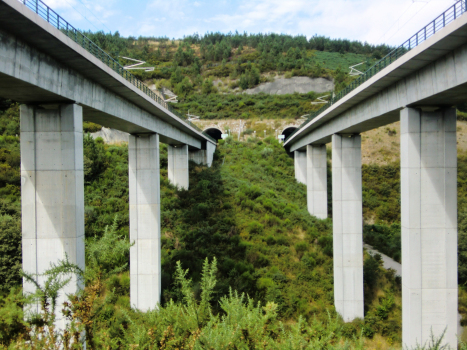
x=282, y=86
x=111, y=135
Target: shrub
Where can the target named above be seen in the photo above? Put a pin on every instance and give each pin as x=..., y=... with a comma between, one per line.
x=266, y=152
x=254, y=227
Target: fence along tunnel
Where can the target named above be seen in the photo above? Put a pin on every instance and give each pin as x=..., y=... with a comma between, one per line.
x=214, y=133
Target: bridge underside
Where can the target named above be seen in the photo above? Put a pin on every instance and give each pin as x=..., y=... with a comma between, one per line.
x=41, y=65
x=448, y=98
x=59, y=84
x=433, y=74
x=419, y=89
x=30, y=94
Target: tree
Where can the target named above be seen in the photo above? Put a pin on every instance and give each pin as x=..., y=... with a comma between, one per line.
x=176, y=76
x=207, y=86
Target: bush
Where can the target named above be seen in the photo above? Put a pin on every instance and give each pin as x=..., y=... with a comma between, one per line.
x=255, y=227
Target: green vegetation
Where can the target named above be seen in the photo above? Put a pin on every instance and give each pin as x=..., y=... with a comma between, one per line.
x=217, y=106
x=218, y=66
x=248, y=213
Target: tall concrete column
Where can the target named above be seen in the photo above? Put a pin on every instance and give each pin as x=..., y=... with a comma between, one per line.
x=52, y=193
x=429, y=225
x=145, y=221
x=203, y=156
x=178, y=166
x=300, y=166
x=347, y=225
x=316, y=172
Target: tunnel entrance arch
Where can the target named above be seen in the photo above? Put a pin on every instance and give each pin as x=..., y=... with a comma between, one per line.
x=288, y=131
x=215, y=133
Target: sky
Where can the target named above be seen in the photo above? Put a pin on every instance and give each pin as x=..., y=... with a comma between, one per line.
x=375, y=21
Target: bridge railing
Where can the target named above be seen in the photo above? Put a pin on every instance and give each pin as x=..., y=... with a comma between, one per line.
x=46, y=13
x=430, y=29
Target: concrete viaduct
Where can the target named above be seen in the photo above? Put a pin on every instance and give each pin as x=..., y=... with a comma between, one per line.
x=418, y=84
x=61, y=78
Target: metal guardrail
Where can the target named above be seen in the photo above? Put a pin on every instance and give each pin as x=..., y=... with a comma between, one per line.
x=46, y=13
x=433, y=27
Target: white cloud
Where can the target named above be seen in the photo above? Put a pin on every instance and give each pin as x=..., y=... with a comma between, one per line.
x=375, y=21
x=365, y=20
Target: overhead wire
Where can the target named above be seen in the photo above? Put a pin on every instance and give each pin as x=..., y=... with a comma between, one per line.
x=85, y=17
x=416, y=13
x=397, y=20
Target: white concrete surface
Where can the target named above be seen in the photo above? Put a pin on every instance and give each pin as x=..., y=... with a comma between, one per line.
x=389, y=263
x=145, y=221
x=178, y=170
x=429, y=225
x=300, y=164
x=203, y=156
x=347, y=226
x=52, y=193
x=210, y=150
x=317, y=189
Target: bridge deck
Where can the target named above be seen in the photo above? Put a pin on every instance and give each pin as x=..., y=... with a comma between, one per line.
x=63, y=57
x=448, y=39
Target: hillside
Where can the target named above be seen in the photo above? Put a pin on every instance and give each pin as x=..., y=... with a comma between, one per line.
x=208, y=72
x=247, y=211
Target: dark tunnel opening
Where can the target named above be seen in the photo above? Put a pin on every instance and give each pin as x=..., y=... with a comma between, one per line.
x=288, y=131
x=214, y=133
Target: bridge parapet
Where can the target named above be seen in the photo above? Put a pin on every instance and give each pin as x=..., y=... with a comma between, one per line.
x=49, y=15
x=440, y=22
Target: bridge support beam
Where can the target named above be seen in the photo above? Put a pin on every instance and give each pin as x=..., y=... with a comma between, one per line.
x=347, y=226
x=429, y=225
x=316, y=172
x=300, y=166
x=178, y=166
x=145, y=222
x=203, y=156
x=52, y=193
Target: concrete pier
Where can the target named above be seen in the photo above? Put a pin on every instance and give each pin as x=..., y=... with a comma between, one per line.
x=52, y=193
x=300, y=166
x=316, y=172
x=145, y=222
x=203, y=156
x=347, y=225
x=429, y=225
x=178, y=166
